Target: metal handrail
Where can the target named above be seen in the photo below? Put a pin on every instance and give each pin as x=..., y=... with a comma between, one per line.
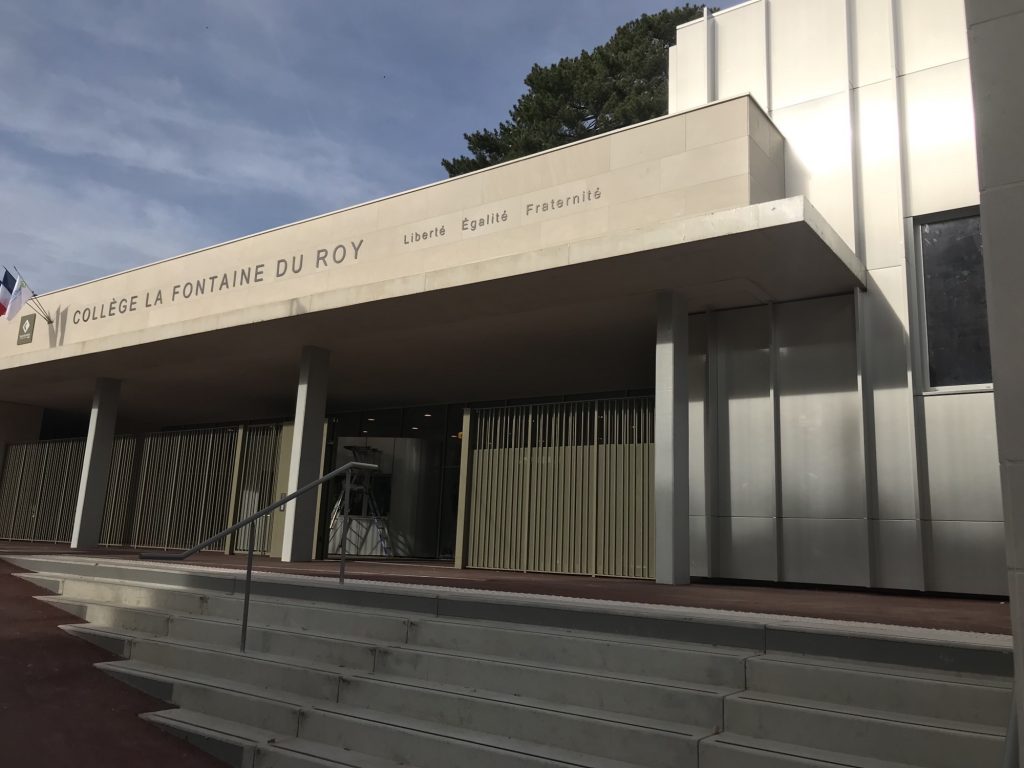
x=345, y=468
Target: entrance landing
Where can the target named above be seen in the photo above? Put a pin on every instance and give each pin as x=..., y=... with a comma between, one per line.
x=983, y=615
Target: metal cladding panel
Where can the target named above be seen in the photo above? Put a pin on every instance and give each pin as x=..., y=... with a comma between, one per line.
x=740, y=54
x=807, y=45
x=747, y=548
x=886, y=349
x=941, y=160
x=880, y=195
x=963, y=462
x=820, y=411
x=699, y=545
x=825, y=552
x=966, y=557
x=745, y=434
x=689, y=57
x=696, y=384
x=897, y=555
x=932, y=33
x=819, y=158
x=872, y=59
x=39, y=490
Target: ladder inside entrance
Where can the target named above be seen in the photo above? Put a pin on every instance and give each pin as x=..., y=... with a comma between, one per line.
x=360, y=491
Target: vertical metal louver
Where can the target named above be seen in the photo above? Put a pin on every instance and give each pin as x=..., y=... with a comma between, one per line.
x=39, y=490
x=564, y=487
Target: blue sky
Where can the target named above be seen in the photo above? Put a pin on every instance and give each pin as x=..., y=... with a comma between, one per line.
x=135, y=130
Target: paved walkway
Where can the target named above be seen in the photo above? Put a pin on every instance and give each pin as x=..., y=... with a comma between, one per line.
x=57, y=710
x=966, y=614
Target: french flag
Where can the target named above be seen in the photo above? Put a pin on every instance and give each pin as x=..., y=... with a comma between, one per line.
x=7, y=286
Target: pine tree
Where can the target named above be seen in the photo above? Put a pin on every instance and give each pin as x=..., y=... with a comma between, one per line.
x=618, y=83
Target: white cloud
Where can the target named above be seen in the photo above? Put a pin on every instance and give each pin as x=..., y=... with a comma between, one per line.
x=153, y=125
x=60, y=233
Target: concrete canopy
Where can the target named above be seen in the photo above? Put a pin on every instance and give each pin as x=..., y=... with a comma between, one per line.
x=586, y=326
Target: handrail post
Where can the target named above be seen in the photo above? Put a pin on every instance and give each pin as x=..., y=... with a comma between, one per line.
x=248, y=587
x=251, y=519
x=344, y=525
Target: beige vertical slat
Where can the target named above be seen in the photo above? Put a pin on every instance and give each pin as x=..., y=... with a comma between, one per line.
x=462, y=514
x=39, y=489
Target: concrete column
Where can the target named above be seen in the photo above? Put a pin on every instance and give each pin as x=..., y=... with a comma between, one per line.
x=306, y=463
x=994, y=32
x=99, y=446
x=671, y=443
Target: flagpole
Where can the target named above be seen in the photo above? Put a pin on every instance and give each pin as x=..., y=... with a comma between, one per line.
x=34, y=301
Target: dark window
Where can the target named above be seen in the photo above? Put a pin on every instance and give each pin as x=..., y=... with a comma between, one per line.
x=954, y=298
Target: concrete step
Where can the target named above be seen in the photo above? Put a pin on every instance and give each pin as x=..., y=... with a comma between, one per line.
x=302, y=753
x=643, y=742
x=514, y=715
x=715, y=666
x=228, y=741
x=247, y=747
x=699, y=705
x=963, y=697
x=662, y=700
x=386, y=735
x=896, y=737
x=864, y=642
x=728, y=750
x=312, y=681
x=432, y=677
x=364, y=623
x=417, y=600
x=630, y=739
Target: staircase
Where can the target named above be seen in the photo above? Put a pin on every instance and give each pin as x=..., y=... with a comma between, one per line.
x=372, y=675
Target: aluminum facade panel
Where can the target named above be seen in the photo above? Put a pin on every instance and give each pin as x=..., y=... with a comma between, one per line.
x=942, y=162
x=696, y=385
x=807, y=50
x=887, y=357
x=698, y=546
x=747, y=548
x=963, y=463
x=896, y=551
x=880, y=195
x=872, y=58
x=746, y=449
x=932, y=33
x=691, y=59
x=966, y=557
x=825, y=552
x=740, y=53
x=819, y=160
x=820, y=414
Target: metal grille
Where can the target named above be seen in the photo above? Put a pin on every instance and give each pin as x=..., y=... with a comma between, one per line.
x=39, y=490
x=118, y=510
x=257, y=484
x=564, y=487
x=182, y=493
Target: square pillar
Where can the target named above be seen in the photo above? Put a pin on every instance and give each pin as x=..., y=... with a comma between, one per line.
x=671, y=443
x=306, y=463
x=99, y=447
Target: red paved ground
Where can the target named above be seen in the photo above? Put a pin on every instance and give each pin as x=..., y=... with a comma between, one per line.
x=57, y=710
x=969, y=614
